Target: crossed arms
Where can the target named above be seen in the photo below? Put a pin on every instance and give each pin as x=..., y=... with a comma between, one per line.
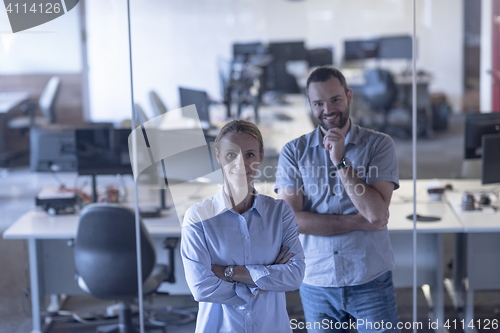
x=208, y=284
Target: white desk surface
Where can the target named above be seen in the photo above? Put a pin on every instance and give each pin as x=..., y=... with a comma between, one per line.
x=8, y=100
x=404, y=193
x=37, y=224
x=486, y=221
x=40, y=225
x=476, y=221
x=448, y=223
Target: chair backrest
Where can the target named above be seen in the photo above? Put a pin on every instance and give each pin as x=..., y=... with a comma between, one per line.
x=48, y=99
x=225, y=68
x=159, y=107
x=380, y=89
x=105, y=251
x=141, y=116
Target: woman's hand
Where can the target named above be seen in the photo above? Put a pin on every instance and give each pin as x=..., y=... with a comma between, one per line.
x=282, y=257
x=242, y=274
x=219, y=271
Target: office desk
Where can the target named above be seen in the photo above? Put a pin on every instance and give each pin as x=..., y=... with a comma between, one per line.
x=477, y=251
x=52, y=267
x=477, y=241
x=430, y=243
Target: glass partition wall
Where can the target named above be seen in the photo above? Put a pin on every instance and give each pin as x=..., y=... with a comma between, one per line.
x=251, y=60
x=168, y=75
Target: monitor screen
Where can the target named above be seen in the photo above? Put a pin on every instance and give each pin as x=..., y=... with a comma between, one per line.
x=103, y=151
x=360, y=49
x=245, y=49
x=397, y=47
x=320, y=57
x=491, y=159
x=53, y=147
x=288, y=51
x=198, y=98
x=477, y=125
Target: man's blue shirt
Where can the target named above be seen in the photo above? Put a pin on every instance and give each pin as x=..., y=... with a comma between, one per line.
x=352, y=258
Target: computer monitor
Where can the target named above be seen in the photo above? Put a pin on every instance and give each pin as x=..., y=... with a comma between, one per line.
x=360, y=49
x=491, y=159
x=287, y=51
x=103, y=151
x=477, y=125
x=246, y=49
x=320, y=57
x=200, y=99
x=53, y=147
x=396, y=47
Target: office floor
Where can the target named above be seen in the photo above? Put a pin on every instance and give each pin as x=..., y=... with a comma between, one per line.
x=439, y=157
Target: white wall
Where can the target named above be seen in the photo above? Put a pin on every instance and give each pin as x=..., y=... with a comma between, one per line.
x=108, y=60
x=53, y=47
x=178, y=42
x=486, y=79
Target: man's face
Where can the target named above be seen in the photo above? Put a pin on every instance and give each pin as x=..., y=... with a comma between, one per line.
x=330, y=103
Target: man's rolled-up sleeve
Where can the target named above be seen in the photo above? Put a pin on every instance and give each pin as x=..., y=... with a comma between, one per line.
x=383, y=164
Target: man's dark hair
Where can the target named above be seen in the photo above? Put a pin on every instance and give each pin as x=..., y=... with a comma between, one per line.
x=323, y=74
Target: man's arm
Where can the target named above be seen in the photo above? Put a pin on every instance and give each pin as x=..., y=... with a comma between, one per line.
x=323, y=224
x=371, y=200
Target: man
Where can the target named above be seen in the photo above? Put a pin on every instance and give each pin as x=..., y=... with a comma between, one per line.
x=339, y=181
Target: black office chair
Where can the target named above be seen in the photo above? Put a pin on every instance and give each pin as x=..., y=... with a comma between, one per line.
x=380, y=91
x=225, y=68
x=46, y=103
x=106, y=260
x=159, y=107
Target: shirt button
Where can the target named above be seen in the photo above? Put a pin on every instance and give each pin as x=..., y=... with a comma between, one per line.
x=246, y=237
x=336, y=252
x=248, y=314
x=248, y=257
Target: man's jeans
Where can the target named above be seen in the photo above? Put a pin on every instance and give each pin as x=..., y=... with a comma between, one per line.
x=373, y=306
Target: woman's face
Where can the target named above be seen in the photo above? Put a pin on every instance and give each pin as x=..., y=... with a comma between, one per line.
x=240, y=156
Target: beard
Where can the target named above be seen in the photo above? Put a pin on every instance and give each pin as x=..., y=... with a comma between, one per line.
x=342, y=116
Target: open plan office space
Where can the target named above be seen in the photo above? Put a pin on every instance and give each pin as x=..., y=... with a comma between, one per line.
x=118, y=102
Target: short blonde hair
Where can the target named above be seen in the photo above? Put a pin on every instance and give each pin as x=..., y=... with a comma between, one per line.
x=242, y=126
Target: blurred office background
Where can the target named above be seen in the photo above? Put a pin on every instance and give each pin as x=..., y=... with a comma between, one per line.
x=252, y=57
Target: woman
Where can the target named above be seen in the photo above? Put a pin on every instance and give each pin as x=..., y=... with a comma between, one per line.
x=240, y=249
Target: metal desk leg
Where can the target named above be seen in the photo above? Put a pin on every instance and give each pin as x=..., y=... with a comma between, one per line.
x=439, y=294
x=35, y=287
x=455, y=285
x=435, y=294
x=469, y=310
